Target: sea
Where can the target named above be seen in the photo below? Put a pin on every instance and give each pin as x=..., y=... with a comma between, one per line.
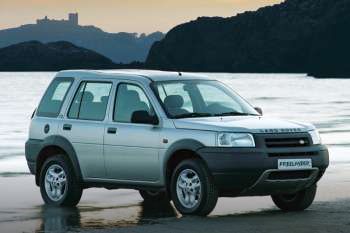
x=297, y=97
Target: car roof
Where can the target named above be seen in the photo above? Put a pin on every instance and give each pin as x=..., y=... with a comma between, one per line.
x=153, y=75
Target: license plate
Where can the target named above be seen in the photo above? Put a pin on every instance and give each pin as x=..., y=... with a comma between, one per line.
x=294, y=164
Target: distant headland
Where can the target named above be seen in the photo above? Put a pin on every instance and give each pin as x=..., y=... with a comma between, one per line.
x=54, y=56
x=121, y=47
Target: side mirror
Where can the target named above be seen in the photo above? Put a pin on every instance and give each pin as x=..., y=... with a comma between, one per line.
x=143, y=117
x=259, y=110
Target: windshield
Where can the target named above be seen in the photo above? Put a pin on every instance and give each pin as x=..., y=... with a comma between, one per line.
x=183, y=99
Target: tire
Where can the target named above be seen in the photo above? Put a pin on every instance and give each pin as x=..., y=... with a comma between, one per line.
x=153, y=196
x=184, y=183
x=54, y=171
x=296, y=202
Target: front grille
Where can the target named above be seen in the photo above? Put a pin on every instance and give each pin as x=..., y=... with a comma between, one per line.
x=291, y=154
x=287, y=142
x=289, y=175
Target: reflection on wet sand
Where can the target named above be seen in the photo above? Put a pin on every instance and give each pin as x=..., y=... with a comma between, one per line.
x=59, y=219
x=161, y=209
x=62, y=219
x=267, y=220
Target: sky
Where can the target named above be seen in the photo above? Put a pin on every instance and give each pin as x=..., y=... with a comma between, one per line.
x=141, y=16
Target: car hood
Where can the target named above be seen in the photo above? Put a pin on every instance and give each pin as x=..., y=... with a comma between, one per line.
x=252, y=124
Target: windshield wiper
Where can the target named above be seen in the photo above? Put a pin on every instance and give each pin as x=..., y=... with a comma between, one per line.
x=235, y=114
x=193, y=114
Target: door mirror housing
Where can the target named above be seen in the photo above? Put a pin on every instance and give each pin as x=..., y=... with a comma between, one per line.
x=259, y=110
x=143, y=117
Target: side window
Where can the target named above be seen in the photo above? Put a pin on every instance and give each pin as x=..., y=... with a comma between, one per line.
x=50, y=105
x=130, y=98
x=90, y=101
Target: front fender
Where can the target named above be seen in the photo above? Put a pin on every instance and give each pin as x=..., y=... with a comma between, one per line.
x=184, y=144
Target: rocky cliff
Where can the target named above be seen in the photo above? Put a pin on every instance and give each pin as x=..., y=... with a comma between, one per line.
x=306, y=36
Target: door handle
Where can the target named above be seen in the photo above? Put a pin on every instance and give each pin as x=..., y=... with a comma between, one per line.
x=112, y=130
x=67, y=127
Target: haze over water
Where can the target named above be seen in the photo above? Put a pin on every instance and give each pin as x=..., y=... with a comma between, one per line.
x=323, y=102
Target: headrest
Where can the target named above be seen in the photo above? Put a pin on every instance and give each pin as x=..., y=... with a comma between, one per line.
x=132, y=96
x=88, y=97
x=104, y=99
x=174, y=101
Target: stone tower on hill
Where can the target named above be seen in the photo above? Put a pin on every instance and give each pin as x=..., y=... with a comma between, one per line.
x=73, y=19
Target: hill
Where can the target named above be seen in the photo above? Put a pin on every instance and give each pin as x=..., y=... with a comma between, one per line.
x=303, y=36
x=119, y=47
x=36, y=56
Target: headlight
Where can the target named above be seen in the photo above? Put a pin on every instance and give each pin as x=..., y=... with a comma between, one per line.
x=235, y=140
x=315, y=136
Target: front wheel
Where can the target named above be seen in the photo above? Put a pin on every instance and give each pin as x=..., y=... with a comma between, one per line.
x=58, y=183
x=192, y=188
x=296, y=202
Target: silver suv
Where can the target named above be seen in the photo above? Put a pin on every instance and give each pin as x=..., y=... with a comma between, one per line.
x=172, y=136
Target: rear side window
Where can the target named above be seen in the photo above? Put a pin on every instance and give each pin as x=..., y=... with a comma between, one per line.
x=51, y=103
x=90, y=101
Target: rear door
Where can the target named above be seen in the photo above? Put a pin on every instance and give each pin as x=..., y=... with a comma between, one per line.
x=84, y=125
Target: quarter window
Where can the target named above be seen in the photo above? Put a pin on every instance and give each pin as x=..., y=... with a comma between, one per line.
x=90, y=101
x=50, y=105
x=130, y=98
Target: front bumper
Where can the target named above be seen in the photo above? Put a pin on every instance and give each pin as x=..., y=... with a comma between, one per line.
x=254, y=171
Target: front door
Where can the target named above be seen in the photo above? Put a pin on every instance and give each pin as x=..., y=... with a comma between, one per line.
x=131, y=150
x=84, y=126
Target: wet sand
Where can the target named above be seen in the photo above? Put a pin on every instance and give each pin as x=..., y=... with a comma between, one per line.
x=22, y=210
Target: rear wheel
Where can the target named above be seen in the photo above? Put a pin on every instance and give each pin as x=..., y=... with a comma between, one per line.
x=192, y=188
x=58, y=183
x=296, y=202
x=153, y=196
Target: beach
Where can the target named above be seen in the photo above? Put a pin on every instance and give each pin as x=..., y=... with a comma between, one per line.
x=100, y=210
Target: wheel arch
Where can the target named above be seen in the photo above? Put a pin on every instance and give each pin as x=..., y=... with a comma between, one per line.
x=177, y=152
x=57, y=145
